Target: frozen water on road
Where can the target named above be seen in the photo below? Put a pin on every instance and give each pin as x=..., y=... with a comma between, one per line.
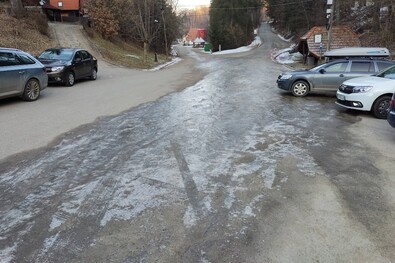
x=226, y=125
x=212, y=149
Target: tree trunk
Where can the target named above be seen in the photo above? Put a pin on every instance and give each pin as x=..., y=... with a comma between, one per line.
x=145, y=51
x=376, y=17
x=17, y=9
x=165, y=35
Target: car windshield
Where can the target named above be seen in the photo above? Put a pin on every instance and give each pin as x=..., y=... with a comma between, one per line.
x=388, y=73
x=57, y=54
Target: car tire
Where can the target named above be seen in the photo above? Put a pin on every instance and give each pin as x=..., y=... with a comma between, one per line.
x=93, y=75
x=31, y=91
x=70, y=79
x=300, y=88
x=381, y=106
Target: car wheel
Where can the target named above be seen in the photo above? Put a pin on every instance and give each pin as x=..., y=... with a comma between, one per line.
x=381, y=106
x=32, y=90
x=93, y=74
x=70, y=79
x=300, y=88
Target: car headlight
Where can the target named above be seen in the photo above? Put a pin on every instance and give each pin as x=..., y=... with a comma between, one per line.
x=57, y=69
x=286, y=76
x=361, y=89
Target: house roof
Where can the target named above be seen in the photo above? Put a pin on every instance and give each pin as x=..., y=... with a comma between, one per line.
x=342, y=36
x=195, y=33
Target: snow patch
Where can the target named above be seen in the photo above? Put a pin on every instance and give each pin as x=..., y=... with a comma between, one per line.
x=256, y=43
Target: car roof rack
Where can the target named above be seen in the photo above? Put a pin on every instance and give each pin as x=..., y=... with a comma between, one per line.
x=358, y=52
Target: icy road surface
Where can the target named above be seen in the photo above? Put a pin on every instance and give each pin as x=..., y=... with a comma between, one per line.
x=228, y=170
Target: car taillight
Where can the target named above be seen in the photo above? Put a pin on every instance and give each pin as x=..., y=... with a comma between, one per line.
x=392, y=103
x=44, y=69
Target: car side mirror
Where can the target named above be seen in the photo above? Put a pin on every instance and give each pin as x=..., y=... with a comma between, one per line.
x=322, y=71
x=77, y=60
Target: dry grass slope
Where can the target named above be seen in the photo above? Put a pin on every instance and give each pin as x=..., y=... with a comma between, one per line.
x=23, y=34
x=31, y=34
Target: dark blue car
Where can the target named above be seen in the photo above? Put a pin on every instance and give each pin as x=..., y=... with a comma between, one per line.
x=391, y=113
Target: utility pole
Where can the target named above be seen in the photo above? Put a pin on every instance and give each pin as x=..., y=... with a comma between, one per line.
x=329, y=17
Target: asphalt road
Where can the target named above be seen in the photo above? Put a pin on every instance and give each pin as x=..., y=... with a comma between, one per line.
x=27, y=126
x=228, y=169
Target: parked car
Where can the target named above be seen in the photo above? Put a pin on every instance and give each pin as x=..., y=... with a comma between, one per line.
x=66, y=65
x=391, y=112
x=329, y=76
x=371, y=93
x=21, y=75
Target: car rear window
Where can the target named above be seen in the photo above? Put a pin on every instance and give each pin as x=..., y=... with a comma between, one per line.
x=25, y=60
x=361, y=66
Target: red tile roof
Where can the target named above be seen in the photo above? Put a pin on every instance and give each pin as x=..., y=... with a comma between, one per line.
x=342, y=36
x=195, y=33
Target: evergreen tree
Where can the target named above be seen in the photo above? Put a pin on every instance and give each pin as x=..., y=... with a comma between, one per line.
x=296, y=17
x=232, y=22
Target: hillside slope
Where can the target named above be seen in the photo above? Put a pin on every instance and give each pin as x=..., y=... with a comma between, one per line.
x=23, y=33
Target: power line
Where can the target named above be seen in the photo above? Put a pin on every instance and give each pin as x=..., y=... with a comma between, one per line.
x=291, y=3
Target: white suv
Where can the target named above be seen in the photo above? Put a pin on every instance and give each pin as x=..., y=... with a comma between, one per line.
x=371, y=93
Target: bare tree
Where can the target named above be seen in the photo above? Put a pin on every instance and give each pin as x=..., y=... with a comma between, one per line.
x=145, y=21
x=103, y=18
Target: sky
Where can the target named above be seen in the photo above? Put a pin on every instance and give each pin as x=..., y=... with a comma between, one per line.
x=192, y=3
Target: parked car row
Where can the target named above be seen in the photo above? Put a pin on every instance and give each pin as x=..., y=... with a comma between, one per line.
x=360, y=84
x=26, y=76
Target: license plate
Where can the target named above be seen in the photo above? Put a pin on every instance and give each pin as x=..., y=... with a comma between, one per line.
x=341, y=97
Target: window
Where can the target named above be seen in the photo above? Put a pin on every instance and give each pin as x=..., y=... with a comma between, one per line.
x=362, y=67
x=60, y=3
x=8, y=59
x=389, y=73
x=57, y=54
x=77, y=56
x=383, y=65
x=85, y=55
x=25, y=60
x=337, y=67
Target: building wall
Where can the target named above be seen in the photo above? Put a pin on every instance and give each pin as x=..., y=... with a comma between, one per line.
x=66, y=4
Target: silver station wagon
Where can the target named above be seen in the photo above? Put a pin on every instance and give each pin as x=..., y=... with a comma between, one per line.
x=329, y=76
x=21, y=75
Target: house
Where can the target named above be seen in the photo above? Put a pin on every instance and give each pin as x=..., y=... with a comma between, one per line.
x=62, y=10
x=194, y=33
x=314, y=43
